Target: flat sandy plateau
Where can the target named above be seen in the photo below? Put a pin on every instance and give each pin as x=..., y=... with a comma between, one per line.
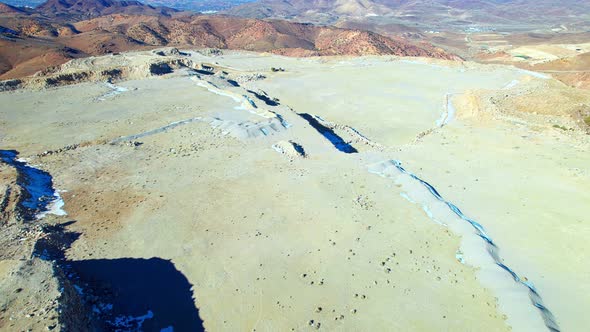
x=275, y=239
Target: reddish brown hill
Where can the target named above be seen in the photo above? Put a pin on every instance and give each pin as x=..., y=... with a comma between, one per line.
x=27, y=56
x=254, y=35
x=61, y=29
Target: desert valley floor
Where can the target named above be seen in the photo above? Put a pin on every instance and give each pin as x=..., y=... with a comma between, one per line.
x=340, y=194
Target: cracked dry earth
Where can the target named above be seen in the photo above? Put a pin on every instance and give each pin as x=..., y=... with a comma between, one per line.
x=231, y=197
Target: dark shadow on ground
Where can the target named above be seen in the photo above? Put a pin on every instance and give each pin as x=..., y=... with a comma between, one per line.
x=54, y=243
x=146, y=294
x=125, y=294
x=233, y=83
x=329, y=134
x=265, y=98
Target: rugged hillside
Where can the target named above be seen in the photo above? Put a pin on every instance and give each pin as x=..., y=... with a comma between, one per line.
x=254, y=35
x=37, y=39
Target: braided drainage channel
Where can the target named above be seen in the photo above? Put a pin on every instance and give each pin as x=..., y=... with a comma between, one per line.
x=386, y=169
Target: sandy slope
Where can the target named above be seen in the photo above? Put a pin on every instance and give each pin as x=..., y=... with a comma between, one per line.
x=273, y=243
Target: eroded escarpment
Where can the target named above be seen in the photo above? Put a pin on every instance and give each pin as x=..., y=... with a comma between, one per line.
x=42, y=289
x=32, y=287
x=112, y=69
x=11, y=196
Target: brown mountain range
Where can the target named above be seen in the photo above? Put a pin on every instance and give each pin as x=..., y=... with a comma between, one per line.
x=93, y=8
x=59, y=30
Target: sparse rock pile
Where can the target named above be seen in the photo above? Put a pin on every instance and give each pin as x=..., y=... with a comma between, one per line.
x=212, y=52
x=245, y=78
x=290, y=149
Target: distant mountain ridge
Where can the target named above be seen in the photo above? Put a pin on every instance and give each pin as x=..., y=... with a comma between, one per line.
x=422, y=12
x=193, y=5
x=92, y=8
x=8, y=9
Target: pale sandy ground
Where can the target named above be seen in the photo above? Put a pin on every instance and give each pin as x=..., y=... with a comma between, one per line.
x=545, y=53
x=266, y=241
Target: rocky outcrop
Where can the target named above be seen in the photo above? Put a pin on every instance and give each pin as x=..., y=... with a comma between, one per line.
x=163, y=61
x=290, y=149
x=10, y=196
x=9, y=85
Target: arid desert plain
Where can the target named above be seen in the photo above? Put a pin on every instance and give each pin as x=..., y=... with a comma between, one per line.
x=252, y=192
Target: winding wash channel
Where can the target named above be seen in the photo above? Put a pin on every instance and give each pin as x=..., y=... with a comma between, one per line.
x=491, y=247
